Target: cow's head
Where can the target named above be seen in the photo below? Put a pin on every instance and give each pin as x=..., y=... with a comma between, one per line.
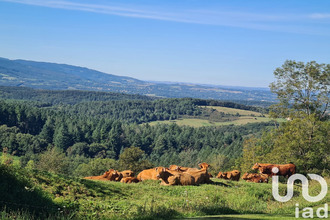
x=256, y=166
x=204, y=166
x=127, y=173
x=113, y=175
x=107, y=173
x=160, y=172
x=173, y=167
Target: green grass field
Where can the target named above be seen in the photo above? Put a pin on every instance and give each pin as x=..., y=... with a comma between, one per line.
x=195, y=122
x=87, y=199
x=234, y=111
x=243, y=118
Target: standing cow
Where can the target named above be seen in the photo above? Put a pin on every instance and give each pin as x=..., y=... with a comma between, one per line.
x=285, y=170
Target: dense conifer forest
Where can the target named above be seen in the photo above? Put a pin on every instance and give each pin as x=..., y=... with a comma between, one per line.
x=86, y=126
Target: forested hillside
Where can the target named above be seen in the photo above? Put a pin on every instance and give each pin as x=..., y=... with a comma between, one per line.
x=118, y=106
x=63, y=96
x=44, y=75
x=97, y=125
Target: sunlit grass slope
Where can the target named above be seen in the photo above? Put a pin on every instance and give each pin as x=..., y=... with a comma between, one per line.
x=86, y=199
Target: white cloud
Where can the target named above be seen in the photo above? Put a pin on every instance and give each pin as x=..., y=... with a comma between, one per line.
x=320, y=15
x=292, y=23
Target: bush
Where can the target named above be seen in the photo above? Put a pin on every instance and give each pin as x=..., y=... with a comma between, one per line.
x=96, y=167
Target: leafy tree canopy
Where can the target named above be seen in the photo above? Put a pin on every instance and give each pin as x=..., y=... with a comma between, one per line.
x=301, y=87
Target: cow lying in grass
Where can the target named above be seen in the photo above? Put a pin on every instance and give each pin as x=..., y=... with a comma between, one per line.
x=255, y=177
x=110, y=175
x=200, y=175
x=123, y=174
x=177, y=176
x=231, y=175
x=129, y=180
x=168, y=177
x=188, y=169
x=127, y=173
x=149, y=174
x=171, y=177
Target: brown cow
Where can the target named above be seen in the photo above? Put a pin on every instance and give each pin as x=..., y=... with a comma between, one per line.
x=101, y=177
x=285, y=170
x=151, y=174
x=187, y=169
x=257, y=165
x=204, y=165
x=180, y=168
x=125, y=173
x=255, y=177
x=173, y=167
x=201, y=176
x=173, y=177
x=129, y=180
x=231, y=175
x=183, y=179
x=221, y=175
x=111, y=175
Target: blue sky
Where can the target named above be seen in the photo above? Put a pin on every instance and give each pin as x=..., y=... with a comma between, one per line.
x=237, y=43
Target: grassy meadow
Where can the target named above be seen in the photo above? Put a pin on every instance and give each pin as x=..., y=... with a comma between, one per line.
x=41, y=195
x=195, y=122
x=233, y=111
x=243, y=117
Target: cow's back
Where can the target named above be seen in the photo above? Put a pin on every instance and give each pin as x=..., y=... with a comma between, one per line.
x=186, y=179
x=147, y=175
x=200, y=176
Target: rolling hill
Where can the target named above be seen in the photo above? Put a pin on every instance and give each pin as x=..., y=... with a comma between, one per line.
x=42, y=75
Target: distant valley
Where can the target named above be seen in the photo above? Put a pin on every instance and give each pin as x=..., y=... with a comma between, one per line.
x=42, y=75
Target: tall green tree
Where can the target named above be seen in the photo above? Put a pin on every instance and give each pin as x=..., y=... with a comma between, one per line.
x=47, y=131
x=132, y=159
x=62, y=138
x=301, y=87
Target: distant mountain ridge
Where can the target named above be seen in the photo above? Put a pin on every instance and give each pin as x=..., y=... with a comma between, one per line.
x=44, y=75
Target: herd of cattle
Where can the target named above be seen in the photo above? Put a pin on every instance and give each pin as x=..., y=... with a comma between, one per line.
x=177, y=175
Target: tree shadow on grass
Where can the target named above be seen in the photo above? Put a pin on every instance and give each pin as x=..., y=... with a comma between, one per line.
x=220, y=184
x=101, y=187
x=158, y=213
x=19, y=195
x=218, y=217
x=216, y=210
